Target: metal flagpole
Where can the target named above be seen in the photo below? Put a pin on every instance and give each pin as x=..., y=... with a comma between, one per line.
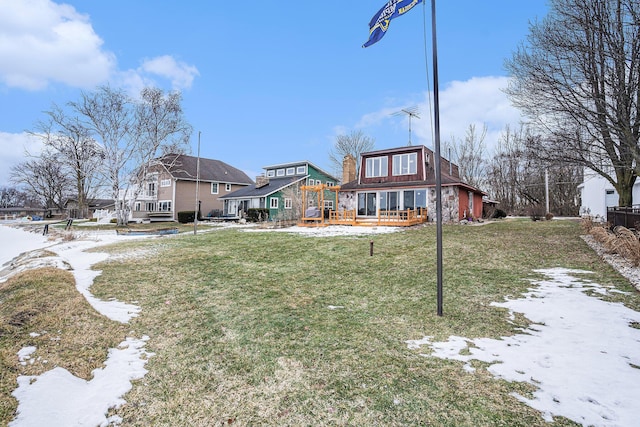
x=195, y=217
x=436, y=119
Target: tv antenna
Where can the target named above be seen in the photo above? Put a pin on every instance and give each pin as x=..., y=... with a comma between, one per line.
x=411, y=112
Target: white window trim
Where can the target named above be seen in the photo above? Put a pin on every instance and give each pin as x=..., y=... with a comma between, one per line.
x=280, y=172
x=301, y=170
x=291, y=171
x=227, y=187
x=217, y=185
x=411, y=160
x=271, y=173
x=288, y=203
x=369, y=171
x=165, y=183
x=273, y=203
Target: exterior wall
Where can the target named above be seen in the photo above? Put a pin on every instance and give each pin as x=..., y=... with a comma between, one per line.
x=390, y=178
x=450, y=204
x=593, y=193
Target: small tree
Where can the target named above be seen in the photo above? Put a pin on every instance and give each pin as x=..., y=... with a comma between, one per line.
x=470, y=156
x=354, y=144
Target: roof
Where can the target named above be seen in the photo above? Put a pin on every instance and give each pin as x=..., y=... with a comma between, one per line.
x=274, y=185
x=446, y=181
x=301, y=162
x=185, y=167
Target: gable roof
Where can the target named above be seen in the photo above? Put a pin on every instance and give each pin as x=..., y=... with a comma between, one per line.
x=184, y=167
x=274, y=185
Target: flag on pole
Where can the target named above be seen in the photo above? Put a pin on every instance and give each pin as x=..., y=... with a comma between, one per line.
x=380, y=22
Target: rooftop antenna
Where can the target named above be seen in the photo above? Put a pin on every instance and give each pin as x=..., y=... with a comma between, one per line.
x=411, y=112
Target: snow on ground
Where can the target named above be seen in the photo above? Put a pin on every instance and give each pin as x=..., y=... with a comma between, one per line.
x=582, y=353
x=58, y=398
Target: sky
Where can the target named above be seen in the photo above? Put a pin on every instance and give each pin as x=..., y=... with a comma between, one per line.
x=263, y=83
x=581, y=353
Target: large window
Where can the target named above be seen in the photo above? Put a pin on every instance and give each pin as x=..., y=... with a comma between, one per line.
x=376, y=167
x=164, y=206
x=367, y=204
x=389, y=201
x=405, y=164
x=273, y=204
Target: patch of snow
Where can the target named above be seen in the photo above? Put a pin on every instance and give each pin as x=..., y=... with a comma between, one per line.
x=58, y=398
x=581, y=352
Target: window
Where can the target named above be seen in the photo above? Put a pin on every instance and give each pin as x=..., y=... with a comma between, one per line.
x=470, y=201
x=151, y=206
x=301, y=170
x=151, y=189
x=280, y=172
x=137, y=207
x=288, y=203
x=376, y=167
x=165, y=183
x=330, y=184
x=214, y=188
x=311, y=182
x=389, y=201
x=409, y=199
x=291, y=171
x=227, y=187
x=273, y=204
x=367, y=204
x=164, y=206
x=405, y=164
x=271, y=173
x=328, y=204
x=421, y=198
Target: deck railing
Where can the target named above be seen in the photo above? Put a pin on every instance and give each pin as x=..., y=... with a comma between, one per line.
x=406, y=217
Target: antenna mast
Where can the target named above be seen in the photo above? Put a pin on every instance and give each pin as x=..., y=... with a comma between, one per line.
x=411, y=112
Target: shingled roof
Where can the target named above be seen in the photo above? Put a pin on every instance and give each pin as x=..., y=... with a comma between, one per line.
x=185, y=167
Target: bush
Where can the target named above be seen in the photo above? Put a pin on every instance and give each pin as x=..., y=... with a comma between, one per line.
x=185, y=217
x=499, y=213
x=257, y=214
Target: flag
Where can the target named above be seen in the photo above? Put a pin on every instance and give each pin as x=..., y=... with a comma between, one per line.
x=380, y=22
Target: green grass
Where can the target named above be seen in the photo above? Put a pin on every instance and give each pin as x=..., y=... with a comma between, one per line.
x=243, y=334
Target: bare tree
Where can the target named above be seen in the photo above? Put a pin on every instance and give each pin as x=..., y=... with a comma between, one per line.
x=505, y=169
x=78, y=153
x=578, y=80
x=470, y=156
x=44, y=179
x=354, y=144
x=12, y=196
x=132, y=134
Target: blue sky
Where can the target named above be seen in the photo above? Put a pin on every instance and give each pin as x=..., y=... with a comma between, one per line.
x=264, y=82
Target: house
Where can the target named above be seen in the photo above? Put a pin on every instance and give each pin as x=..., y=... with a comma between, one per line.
x=397, y=180
x=597, y=194
x=170, y=187
x=278, y=190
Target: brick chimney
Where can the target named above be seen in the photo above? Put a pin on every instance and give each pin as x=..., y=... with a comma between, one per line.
x=261, y=181
x=348, y=168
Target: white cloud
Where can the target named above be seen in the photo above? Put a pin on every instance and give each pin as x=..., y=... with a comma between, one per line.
x=14, y=148
x=478, y=101
x=180, y=73
x=43, y=42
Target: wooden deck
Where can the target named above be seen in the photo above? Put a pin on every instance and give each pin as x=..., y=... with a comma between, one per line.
x=404, y=218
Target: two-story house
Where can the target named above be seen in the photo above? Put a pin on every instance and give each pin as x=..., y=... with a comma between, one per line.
x=403, y=179
x=170, y=187
x=278, y=190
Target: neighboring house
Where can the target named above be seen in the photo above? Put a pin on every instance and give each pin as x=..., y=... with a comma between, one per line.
x=278, y=190
x=170, y=187
x=597, y=194
x=400, y=179
x=94, y=205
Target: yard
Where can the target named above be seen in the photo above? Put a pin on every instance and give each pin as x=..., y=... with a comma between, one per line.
x=273, y=328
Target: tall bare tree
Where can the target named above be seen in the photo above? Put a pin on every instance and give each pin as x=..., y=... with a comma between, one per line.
x=78, y=153
x=470, y=154
x=355, y=143
x=44, y=179
x=578, y=80
x=504, y=170
x=132, y=133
